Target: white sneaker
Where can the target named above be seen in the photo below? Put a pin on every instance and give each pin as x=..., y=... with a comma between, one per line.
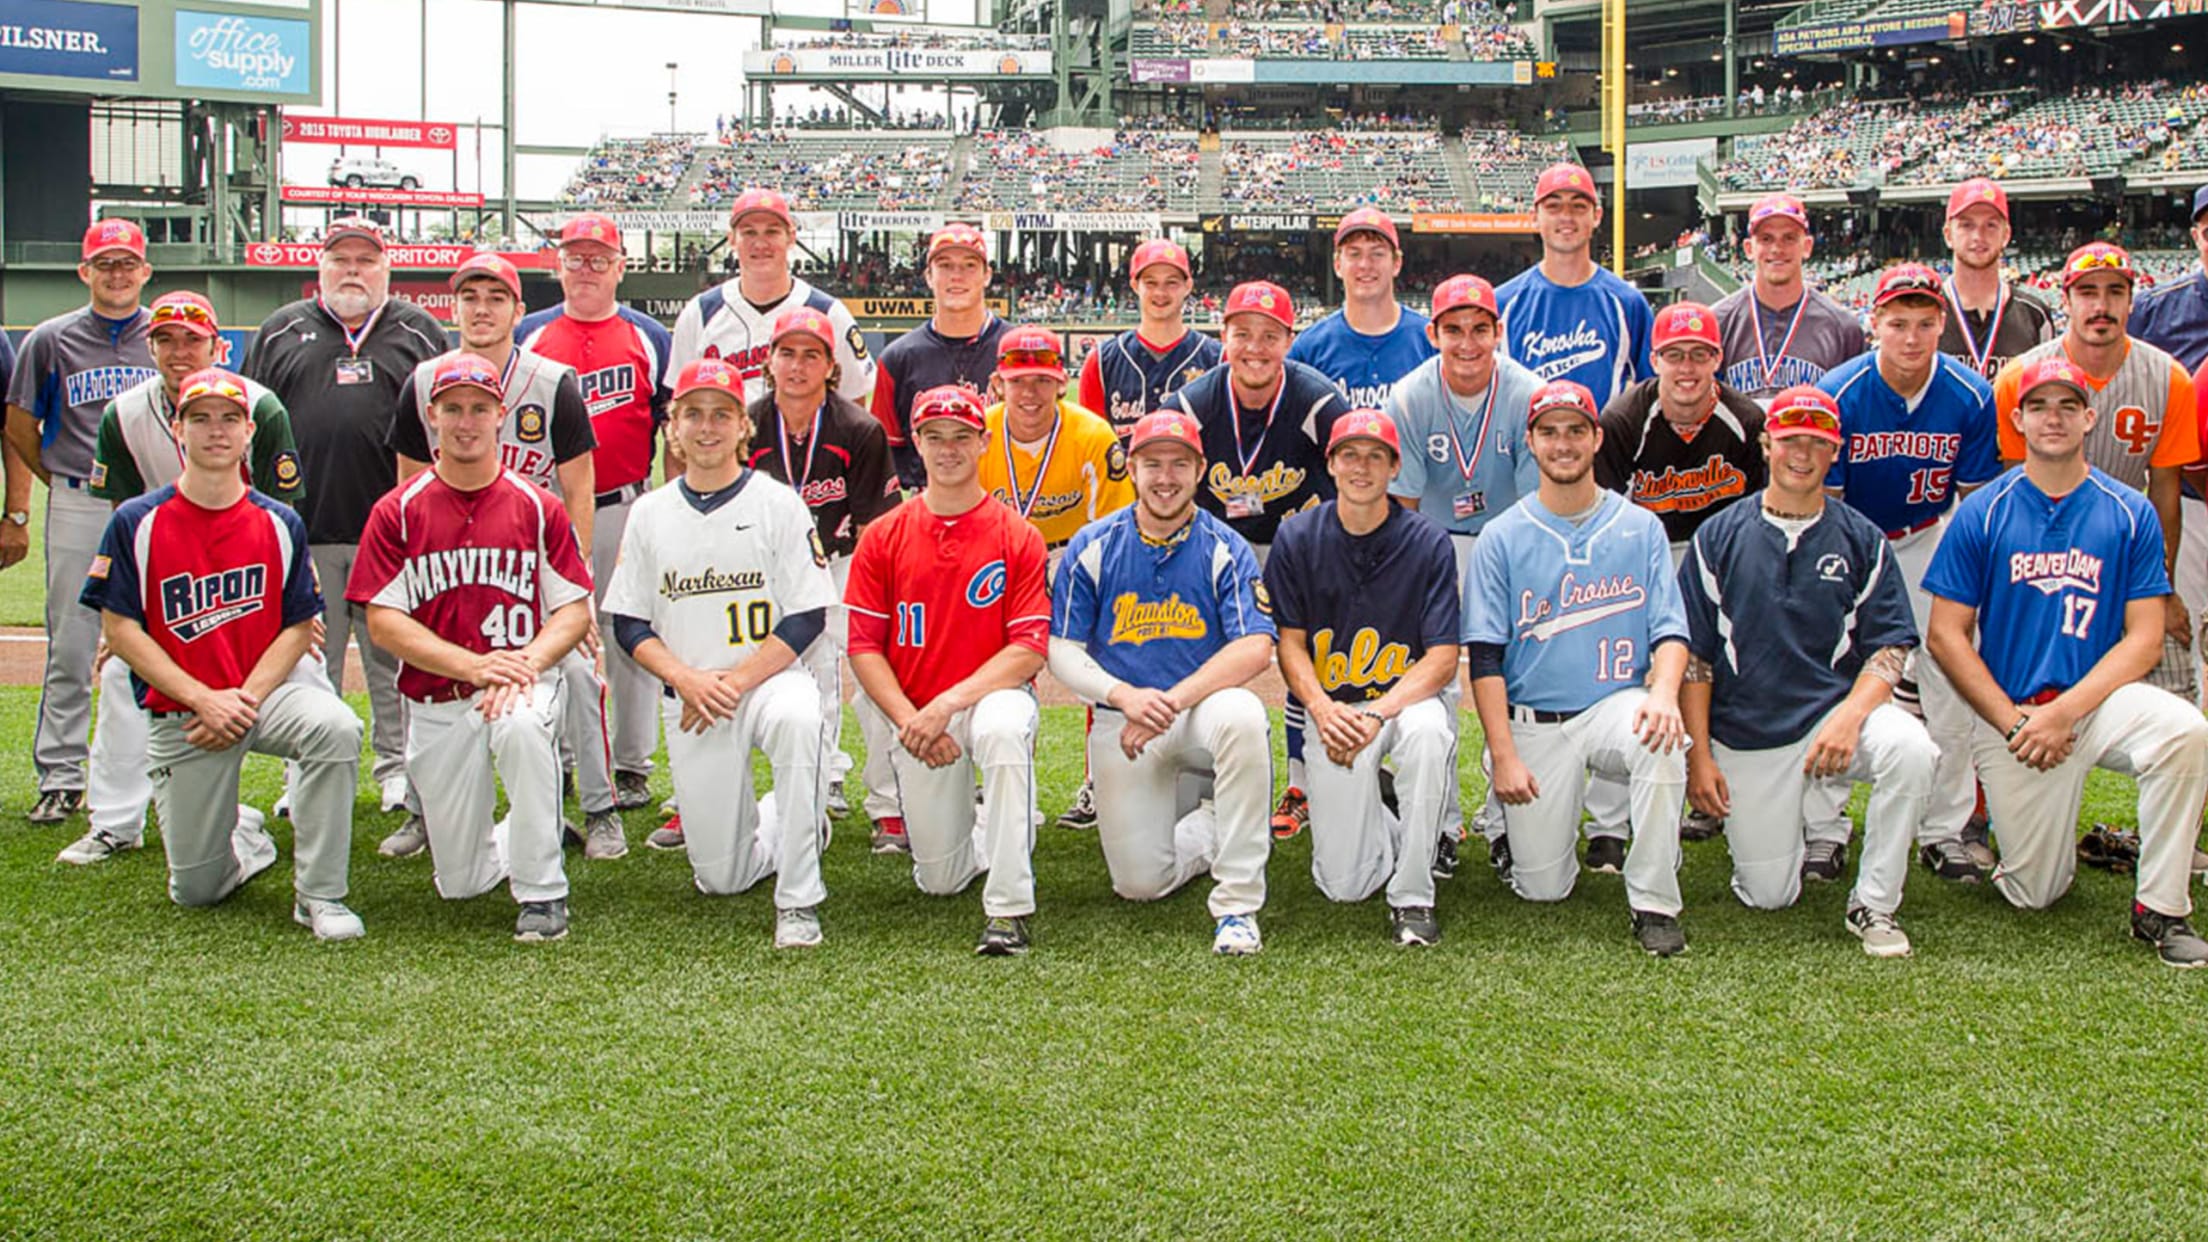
x=395, y=790
x=328, y=920
x=1880, y=934
x=797, y=929
x=98, y=845
x=282, y=809
x=249, y=840
x=1236, y=936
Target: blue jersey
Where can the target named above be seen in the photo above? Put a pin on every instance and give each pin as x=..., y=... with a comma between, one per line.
x=2049, y=578
x=1900, y=467
x=1578, y=607
x=2174, y=319
x=1124, y=378
x=1465, y=461
x=1786, y=629
x=1148, y=613
x=1262, y=464
x=1595, y=332
x=1370, y=605
x=1363, y=367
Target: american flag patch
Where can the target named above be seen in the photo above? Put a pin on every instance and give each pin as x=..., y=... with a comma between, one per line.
x=99, y=567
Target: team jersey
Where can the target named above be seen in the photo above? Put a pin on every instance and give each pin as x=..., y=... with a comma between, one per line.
x=1683, y=479
x=1595, y=332
x=2049, y=577
x=1985, y=340
x=840, y=468
x=2149, y=413
x=1577, y=607
x=138, y=452
x=340, y=388
x=1786, y=621
x=1464, y=460
x=1899, y=463
x=1075, y=476
x=937, y=597
x=621, y=365
x=1127, y=377
x=719, y=323
x=481, y=569
x=922, y=359
x=1364, y=367
x=1262, y=464
x=1773, y=350
x=212, y=587
x=546, y=426
x=1370, y=606
x=1152, y=613
x=2173, y=318
x=71, y=366
x=714, y=574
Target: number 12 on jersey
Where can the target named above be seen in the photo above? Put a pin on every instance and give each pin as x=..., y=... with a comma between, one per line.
x=1614, y=660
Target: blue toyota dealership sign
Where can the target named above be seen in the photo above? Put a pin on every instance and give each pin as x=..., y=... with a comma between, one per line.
x=235, y=52
x=63, y=38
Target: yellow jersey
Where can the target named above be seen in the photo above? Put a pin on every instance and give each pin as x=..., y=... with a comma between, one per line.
x=1075, y=476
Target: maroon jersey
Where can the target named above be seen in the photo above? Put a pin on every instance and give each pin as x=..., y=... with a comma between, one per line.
x=212, y=587
x=481, y=569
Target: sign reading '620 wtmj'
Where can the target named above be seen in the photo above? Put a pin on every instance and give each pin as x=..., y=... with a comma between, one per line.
x=237, y=52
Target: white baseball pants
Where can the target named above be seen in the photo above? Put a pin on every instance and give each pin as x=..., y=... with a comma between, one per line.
x=949, y=848
x=451, y=754
x=731, y=845
x=1151, y=846
x=1544, y=833
x=1356, y=844
x=632, y=694
x=76, y=521
x=825, y=660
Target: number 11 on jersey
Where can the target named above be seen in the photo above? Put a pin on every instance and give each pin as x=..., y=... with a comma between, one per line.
x=912, y=625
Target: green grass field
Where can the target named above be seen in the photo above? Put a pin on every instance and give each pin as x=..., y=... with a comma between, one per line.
x=23, y=586
x=664, y=1074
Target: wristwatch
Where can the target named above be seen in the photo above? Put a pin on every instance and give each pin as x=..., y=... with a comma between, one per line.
x=21, y=517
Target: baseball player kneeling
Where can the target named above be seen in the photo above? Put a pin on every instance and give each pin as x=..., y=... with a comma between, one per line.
x=950, y=618
x=471, y=577
x=721, y=586
x=1159, y=618
x=1577, y=645
x=205, y=589
x=2058, y=569
x=1800, y=628
x=1365, y=594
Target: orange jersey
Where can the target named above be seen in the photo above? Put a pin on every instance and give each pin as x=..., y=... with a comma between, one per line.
x=2149, y=413
x=1074, y=477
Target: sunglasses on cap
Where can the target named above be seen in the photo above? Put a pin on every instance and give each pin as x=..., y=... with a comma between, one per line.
x=454, y=377
x=1020, y=359
x=212, y=387
x=1911, y=282
x=1804, y=416
x=961, y=408
x=182, y=312
x=2096, y=260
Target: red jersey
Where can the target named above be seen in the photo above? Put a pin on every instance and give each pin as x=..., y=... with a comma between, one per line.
x=621, y=363
x=212, y=587
x=937, y=597
x=481, y=569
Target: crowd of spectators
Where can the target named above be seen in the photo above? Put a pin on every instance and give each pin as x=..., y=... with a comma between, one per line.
x=1505, y=163
x=631, y=172
x=1138, y=170
x=1330, y=168
x=822, y=173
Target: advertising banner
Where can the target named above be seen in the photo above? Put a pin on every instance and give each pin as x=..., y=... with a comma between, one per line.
x=64, y=39
x=1876, y=32
x=1144, y=222
x=2055, y=14
x=889, y=221
x=1654, y=165
x=251, y=55
x=1471, y=222
x=338, y=130
x=845, y=62
x=443, y=257
x=908, y=308
x=338, y=196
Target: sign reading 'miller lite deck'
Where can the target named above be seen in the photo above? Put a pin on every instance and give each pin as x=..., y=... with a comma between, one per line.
x=66, y=39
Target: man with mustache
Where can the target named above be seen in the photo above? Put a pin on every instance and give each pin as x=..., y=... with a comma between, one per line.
x=1779, y=332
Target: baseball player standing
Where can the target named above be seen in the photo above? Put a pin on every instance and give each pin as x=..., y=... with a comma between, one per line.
x=2057, y=570
x=1778, y=331
x=1989, y=320
x=949, y=621
x=2173, y=317
x=471, y=576
x=138, y=452
x=1159, y=620
x=1682, y=445
x=1058, y=465
x=1365, y=594
x=722, y=585
x=72, y=365
x=1573, y=625
x=620, y=360
x=957, y=345
x=337, y=360
x=1129, y=376
x=1567, y=317
x=1373, y=341
x=1799, y=627
x=206, y=590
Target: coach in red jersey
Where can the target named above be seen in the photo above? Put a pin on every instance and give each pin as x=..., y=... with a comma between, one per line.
x=472, y=578
x=950, y=619
x=206, y=589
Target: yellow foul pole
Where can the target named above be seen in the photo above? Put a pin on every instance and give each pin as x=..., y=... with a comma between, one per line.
x=1613, y=122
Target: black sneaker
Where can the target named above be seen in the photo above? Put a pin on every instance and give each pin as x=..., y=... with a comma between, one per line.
x=1498, y=856
x=1413, y=925
x=1081, y=816
x=1950, y=860
x=1659, y=934
x=1445, y=857
x=1605, y=855
x=541, y=921
x=1003, y=937
x=56, y=805
x=631, y=790
x=1978, y=842
x=1695, y=826
x=2173, y=938
x=1387, y=793
x=1824, y=861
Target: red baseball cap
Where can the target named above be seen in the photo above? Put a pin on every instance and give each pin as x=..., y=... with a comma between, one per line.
x=1565, y=179
x=806, y=320
x=188, y=311
x=1562, y=394
x=1030, y=351
x=1803, y=411
x=591, y=226
x=1906, y=280
x=1261, y=297
x=2054, y=369
x=760, y=199
x=2097, y=257
x=1685, y=321
x=712, y=373
x=1367, y=220
x=1978, y=192
x=106, y=235
x=1166, y=427
x=958, y=236
x=1778, y=207
x=213, y=382
x=1370, y=425
x=353, y=226
x=1459, y=292
x=1155, y=251
x=953, y=401
x=486, y=264
x=465, y=370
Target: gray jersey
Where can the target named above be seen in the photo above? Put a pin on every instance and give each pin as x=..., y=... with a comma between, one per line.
x=546, y=424
x=2148, y=413
x=72, y=365
x=1768, y=351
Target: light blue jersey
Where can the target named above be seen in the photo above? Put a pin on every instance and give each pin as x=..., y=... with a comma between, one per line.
x=1465, y=461
x=1595, y=332
x=1150, y=614
x=1364, y=367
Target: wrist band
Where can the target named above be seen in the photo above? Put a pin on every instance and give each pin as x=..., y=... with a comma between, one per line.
x=2021, y=721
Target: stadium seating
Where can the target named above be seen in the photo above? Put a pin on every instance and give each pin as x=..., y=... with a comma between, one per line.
x=2082, y=134
x=1333, y=169
x=1853, y=142
x=826, y=170
x=1140, y=170
x=1505, y=164
x=631, y=172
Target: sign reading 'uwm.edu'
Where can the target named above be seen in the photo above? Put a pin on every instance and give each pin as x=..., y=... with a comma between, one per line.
x=66, y=39
x=237, y=53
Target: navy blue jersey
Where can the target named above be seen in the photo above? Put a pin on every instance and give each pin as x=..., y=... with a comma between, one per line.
x=922, y=359
x=1788, y=629
x=2174, y=319
x=1900, y=467
x=1262, y=464
x=1364, y=367
x=1370, y=605
x=2049, y=577
x=1152, y=613
x=1126, y=378
x=1595, y=332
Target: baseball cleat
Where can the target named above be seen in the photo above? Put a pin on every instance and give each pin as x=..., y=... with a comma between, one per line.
x=1880, y=934
x=1498, y=856
x=631, y=790
x=1659, y=934
x=407, y=840
x=1824, y=861
x=2110, y=848
x=667, y=836
x=1004, y=936
x=1413, y=925
x=798, y=928
x=1445, y=857
x=1236, y=935
x=1605, y=855
x=2173, y=938
x=571, y=837
x=328, y=920
x=541, y=921
x=1977, y=839
x=1292, y=816
x=282, y=809
x=889, y=836
x=98, y=845
x=605, y=837
x=1695, y=826
x=56, y=805
x=1950, y=860
x=1082, y=814
x=255, y=849
x=837, y=803
x=393, y=793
